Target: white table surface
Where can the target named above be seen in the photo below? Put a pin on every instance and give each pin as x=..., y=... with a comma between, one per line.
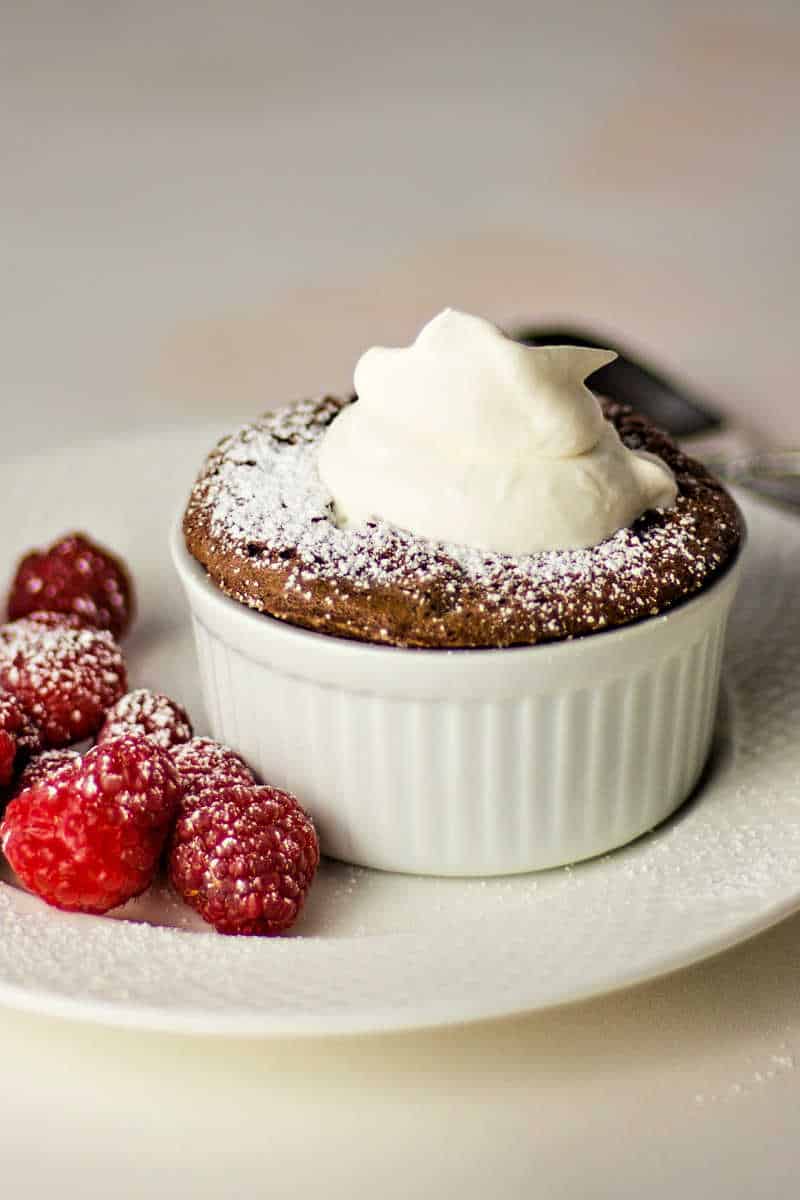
x=213, y=209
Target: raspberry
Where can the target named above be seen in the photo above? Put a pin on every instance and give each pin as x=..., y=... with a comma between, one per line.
x=74, y=576
x=150, y=714
x=88, y=837
x=44, y=765
x=205, y=768
x=63, y=675
x=15, y=632
x=245, y=860
x=19, y=737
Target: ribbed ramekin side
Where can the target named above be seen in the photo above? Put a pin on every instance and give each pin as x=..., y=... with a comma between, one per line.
x=470, y=785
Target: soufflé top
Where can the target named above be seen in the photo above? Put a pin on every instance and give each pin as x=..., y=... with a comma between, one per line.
x=474, y=494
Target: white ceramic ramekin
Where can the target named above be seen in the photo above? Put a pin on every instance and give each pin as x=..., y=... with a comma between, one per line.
x=466, y=762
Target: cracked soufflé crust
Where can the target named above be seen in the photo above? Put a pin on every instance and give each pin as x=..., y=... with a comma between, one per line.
x=261, y=522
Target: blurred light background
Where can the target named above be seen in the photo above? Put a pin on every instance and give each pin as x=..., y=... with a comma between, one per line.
x=210, y=208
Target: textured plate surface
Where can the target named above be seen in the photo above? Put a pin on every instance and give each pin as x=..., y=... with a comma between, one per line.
x=377, y=951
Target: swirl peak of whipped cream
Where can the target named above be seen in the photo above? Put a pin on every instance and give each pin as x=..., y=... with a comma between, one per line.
x=469, y=437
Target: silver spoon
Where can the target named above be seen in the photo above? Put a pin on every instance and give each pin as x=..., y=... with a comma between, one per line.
x=773, y=474
x=669, y=404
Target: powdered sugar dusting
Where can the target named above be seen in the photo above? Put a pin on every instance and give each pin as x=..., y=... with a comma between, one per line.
x=64, y=675
x=266, y=505
x=45, y=765
x=204, y=767
x=148, y=713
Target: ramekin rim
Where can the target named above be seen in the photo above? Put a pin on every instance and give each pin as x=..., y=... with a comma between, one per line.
x=187, y=566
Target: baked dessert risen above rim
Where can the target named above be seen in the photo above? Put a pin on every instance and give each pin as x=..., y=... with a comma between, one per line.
x=478, y=495
x=262, y=523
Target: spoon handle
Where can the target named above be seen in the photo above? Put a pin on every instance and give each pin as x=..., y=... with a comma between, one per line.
x=774, y=474
x=668, y=404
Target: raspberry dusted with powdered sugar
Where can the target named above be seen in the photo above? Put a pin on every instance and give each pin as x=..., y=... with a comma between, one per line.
x=245, y=859
x=88, y=837
x=43, y=766
x=152, y=715
x=20, y=737
x=74, y=576
x=64, y=675
x=205, y=768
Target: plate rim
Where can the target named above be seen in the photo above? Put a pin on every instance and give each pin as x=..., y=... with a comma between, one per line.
x=192, y=1022
x=370, y=1018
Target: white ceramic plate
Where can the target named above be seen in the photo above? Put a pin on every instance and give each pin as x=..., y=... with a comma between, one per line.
x=376, y=951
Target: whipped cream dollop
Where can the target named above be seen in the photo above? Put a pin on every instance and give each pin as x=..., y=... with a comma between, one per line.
x=469, y=437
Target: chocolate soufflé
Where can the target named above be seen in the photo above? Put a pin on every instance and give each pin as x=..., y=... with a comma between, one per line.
x=262, y=523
